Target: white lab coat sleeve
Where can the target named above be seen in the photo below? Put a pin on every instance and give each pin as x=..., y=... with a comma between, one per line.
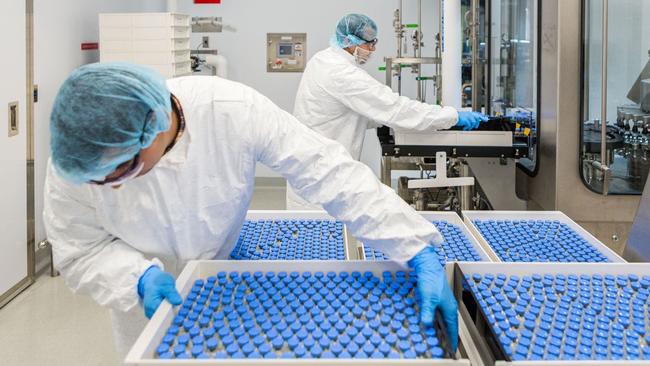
x=360, y=92
x=322, y=172
x=91, y=261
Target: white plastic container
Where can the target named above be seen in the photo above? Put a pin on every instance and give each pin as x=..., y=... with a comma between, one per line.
x=173, y=70
x=158, y=40
x=144, y=20
x=301, y=215
x=470, y=216
x=470, y=335
x=142, y=352
x=454, y=219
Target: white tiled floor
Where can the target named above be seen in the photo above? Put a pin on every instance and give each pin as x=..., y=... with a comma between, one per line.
x=48, y=325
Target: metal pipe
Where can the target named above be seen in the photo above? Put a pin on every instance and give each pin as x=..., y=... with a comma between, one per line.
x=30, y=155
x=475, y=59
x=418, y=44
x=438, y=84
x=603, y=100
x=399, y=29
x=465, y=192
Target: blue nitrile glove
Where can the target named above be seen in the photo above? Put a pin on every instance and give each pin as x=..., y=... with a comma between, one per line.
x=470, y=120
x=155, y=285
x=435, y=293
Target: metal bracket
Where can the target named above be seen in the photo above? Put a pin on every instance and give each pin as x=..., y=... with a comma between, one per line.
x=441, y=179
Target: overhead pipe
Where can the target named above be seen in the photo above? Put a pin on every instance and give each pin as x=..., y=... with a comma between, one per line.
x=451, y=54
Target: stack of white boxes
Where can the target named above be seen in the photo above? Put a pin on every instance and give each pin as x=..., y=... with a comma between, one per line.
x=157, y=40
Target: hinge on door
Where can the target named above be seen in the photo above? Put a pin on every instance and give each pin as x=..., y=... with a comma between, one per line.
x=35, y=93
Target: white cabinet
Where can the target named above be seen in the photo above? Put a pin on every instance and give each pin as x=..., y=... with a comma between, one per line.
x=157, y=40
x=13, y=164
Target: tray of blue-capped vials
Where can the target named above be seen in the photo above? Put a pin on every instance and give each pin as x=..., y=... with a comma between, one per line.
x=289, y=312
x=459, y=245
x=560, y=313
x=536, y=236
x=291, y=235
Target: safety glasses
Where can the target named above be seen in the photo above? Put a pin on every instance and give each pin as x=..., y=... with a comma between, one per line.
x=134, y=168
x=373, y=42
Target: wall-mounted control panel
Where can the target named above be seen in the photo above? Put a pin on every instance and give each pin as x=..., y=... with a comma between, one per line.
x=286, y=52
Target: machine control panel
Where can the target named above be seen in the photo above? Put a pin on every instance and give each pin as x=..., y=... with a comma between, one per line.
x=286, y=52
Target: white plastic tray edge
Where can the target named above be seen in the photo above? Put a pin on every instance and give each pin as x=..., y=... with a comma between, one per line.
x=469, y=216
x=145, y=344
x=521, y=268
x=571, y=363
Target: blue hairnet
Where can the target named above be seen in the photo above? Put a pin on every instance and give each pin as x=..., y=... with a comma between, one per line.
x=103, y=115
x=354, y=30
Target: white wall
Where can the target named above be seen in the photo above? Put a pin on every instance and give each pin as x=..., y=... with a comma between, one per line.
x=243, y=42
x=61, y=26
x=59, y=29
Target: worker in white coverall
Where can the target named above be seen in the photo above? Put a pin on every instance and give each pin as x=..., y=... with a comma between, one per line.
x=340, y=100
x=146, y=174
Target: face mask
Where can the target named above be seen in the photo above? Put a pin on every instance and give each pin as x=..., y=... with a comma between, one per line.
x=361, y=55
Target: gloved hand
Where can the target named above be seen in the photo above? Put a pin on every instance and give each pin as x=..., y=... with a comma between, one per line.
x=470, y=120
x=435, y=293
x=155, y=285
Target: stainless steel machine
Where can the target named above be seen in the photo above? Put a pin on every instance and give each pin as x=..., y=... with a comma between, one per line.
x=590, y=170
x=476, y=65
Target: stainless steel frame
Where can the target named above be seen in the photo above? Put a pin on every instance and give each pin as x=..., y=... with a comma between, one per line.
x=476, y=62
x=558, y=185
x=399, y=61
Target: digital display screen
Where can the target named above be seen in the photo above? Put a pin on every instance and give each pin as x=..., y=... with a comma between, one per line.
x=285, y=49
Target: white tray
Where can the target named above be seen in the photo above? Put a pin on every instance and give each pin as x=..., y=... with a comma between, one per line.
x=454, y=219
x=470, y=216
x=302, y=215
x=140, y=20
x=150, y=33
x=142, y=352
x=640, y=269
x=146, y=46
x=455, y=138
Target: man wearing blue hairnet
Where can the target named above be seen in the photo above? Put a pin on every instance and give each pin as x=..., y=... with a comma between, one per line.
x=340, y=100
x=146, y=174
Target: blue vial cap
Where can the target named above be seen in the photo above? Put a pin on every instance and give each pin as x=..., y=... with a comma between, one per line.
x=163, y=348
x=179, y=349
x=166, y=356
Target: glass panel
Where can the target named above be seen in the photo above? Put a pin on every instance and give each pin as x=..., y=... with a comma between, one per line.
x=628, y=95
x=514, y=69
x=468, y=72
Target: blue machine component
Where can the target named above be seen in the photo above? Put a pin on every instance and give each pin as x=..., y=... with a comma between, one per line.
x=456, y=246
x=289, y=240
x=567, y=317
x=537, y=241
x=300, y=315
